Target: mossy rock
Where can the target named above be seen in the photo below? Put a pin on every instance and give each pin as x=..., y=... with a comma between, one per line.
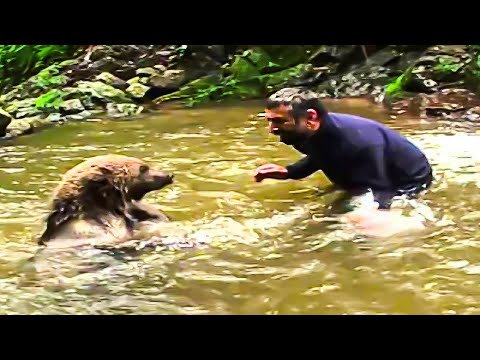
x=19, y=104
x=83, y=115
x=26, y=126
x=23, y=108
x=192, y=88
x=282, y=77
x=123, y=110
x=147, y=72
x=137, y=90
x=283, y=56
x=72, y=106
x=102, y=91
x=55, y=118
x=134, y=80
x=249, y=89
x=170, y=79
x=112, y=80
x=439, y=67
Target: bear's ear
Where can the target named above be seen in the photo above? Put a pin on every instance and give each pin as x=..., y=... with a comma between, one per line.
x=144, y=169
x=101, y=179
x=105, y=171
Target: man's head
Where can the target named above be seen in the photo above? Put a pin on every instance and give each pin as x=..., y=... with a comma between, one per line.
x=294, y=114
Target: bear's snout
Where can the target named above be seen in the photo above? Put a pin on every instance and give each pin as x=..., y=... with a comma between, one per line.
x=162, y=178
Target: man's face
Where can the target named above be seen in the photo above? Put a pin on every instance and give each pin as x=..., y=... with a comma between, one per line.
x=282, y=124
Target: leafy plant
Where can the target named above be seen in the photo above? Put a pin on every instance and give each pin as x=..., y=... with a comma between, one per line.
x=448, y=64
x=50, y=100
x=395, y=86
x=250, y=74
x=472, y=78
x=49, y=76
x=18, y=62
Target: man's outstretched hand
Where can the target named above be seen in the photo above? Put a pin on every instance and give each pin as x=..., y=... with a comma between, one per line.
x=270, y=171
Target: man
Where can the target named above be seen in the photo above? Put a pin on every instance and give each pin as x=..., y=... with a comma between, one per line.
x=359, y=155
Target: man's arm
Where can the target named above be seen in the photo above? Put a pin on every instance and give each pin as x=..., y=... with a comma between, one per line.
x=298, y=170
x=302, y=168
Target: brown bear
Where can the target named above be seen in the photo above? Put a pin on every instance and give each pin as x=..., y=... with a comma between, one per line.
x=98, y=201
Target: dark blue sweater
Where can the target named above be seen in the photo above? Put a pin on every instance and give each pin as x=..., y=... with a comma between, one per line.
x=359, y=154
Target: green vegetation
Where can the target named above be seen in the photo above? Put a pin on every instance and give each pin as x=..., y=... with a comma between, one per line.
x=50, y=100
x=396, y=86
x=446, y=69
x=59, y=82
x=250, y=74
x=472, y=78
x=448, y=64
x=19, y=62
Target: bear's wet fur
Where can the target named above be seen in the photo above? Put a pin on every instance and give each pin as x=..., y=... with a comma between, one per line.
x=100, y=200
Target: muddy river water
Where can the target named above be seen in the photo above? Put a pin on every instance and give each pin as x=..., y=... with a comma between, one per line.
x=273, y=248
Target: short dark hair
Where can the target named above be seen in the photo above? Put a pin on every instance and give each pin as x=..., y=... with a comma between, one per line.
x=300, y=99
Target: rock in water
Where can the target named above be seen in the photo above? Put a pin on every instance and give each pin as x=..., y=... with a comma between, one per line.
x=137, y=90
x=72, y=106
x=170, y=79
x=123, y=110
x=112, y=80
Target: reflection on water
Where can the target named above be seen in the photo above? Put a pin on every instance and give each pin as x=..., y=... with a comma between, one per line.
x=270, y=247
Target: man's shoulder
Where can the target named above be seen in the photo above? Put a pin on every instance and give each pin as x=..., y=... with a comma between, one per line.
x=353, y=121
x=358, y=131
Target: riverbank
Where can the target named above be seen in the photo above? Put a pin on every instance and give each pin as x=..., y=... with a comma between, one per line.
x=125, y=81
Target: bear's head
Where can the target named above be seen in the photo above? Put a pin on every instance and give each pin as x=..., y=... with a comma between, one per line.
x=107, y=174
x=144, y=179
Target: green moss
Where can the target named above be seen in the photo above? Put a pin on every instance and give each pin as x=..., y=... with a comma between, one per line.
x=200, y=87
x=52, y=100
x=281, y=77
x=472, y=70
x=396, y=86
x=19, y=62
x=250, y=74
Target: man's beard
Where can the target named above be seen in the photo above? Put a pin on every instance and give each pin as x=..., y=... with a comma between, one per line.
x=292, y=137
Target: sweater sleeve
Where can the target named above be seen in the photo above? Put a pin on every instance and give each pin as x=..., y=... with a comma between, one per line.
x=302, y=168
